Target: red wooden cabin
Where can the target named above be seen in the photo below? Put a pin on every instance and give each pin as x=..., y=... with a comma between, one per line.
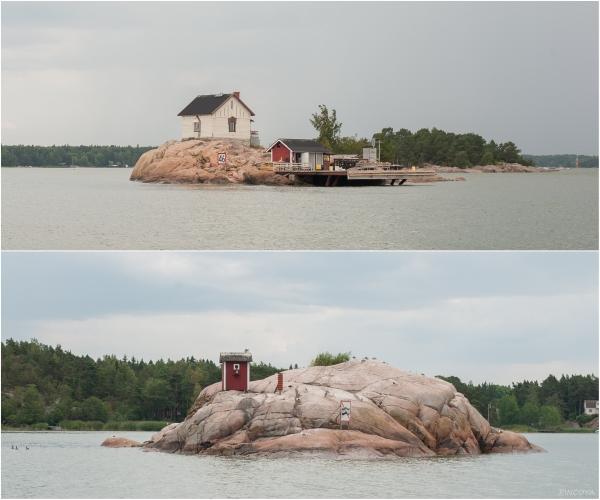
x=235, y=367
x=302, y=151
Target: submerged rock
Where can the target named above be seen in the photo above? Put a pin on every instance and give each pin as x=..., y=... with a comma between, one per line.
x=120, y=442
x=394, y=413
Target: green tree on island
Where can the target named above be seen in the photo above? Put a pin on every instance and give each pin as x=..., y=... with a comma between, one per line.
x=327, y=126
x=328, y=359
x=423, y=146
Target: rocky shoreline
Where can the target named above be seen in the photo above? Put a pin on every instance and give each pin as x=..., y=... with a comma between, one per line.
x=195, y=162
x=492, y=169
x=394, y=414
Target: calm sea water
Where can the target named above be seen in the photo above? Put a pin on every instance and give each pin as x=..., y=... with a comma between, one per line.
x=102, y=209
x=72, y=464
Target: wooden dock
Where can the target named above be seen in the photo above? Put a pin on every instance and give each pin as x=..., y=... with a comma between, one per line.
x=370, y=174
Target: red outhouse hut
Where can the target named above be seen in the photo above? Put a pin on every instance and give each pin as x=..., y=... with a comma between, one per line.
x=236, y=370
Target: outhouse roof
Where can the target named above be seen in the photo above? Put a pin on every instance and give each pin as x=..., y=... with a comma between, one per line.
x=235, y=356
x=302, y=146
x=208, y=104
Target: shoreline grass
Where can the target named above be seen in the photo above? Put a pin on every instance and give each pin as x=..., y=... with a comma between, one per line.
x=79, y=425
x=571, y=430
x=559, y=430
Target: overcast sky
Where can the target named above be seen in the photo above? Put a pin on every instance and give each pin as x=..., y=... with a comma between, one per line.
x=120, y=72
x=495, y=316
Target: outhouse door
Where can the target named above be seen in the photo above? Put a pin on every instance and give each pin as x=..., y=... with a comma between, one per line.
x=237, y=380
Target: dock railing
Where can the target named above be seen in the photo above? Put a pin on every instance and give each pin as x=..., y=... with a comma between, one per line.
x=292, y=167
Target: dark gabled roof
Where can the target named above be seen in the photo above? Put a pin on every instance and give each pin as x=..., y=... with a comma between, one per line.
x=590, y=403
x=208, y=104
x=302, y=146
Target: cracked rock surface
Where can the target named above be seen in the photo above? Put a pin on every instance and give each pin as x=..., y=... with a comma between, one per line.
x=394, y=413
x=195, y=162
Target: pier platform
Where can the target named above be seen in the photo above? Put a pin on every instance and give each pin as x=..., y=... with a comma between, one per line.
x=369, y=174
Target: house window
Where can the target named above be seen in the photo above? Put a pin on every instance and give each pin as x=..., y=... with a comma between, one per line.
x=231, y=104
x=196, y=126
x=232, y=121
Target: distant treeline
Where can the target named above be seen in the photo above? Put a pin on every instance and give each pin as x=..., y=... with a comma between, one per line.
x=84, y=156
x=423, y=146
x=563, y=161
x=445, y=148
x=530, y=403
x=42, y=383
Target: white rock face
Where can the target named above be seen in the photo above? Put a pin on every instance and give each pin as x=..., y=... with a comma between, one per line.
x=394, y=413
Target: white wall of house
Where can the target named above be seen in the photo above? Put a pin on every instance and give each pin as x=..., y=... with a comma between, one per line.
x=217, y=125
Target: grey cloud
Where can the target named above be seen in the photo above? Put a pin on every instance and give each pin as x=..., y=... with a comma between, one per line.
x=508, y=70
x=432, y=312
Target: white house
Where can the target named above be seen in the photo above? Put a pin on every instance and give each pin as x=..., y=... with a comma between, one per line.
x=218, y=116
x=591, y=407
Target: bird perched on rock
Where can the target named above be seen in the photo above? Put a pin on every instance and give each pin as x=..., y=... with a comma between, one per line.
x=26, y=447
x=16, y=447
x=12, y=447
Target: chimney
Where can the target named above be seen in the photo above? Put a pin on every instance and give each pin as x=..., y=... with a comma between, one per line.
x=236, y=94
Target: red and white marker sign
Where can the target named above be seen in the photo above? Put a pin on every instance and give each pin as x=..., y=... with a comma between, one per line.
x=345, y=408
x=222, y=158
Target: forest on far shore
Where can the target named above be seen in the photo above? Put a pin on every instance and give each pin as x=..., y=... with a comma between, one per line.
x=41, y=383
x=563, y=161
x=82, y=156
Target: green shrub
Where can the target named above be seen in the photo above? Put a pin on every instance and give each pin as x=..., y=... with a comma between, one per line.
x=530, y=414
x=31, y=412
x=42, y=426
x=328, y=359
x=508, y=409
x=487, y=159
x=93, y=409
x=585, y=418
x=549, y=417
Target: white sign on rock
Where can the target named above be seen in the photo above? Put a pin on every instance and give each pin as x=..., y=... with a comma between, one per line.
x=345, y=409
x=221, y=158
